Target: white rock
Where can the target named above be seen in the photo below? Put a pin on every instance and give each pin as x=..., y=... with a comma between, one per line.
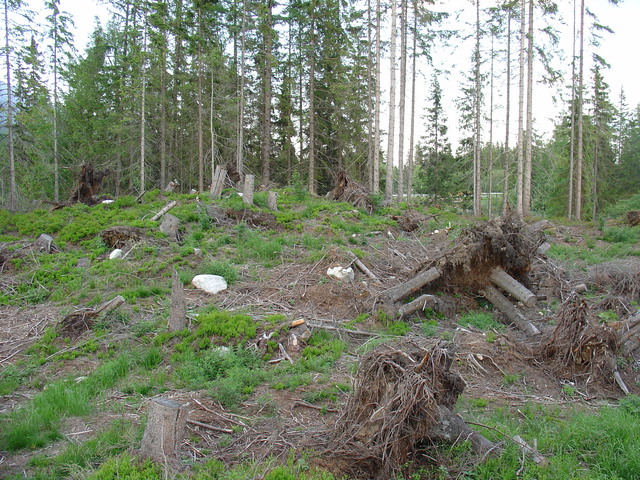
x=209, y=283
x=341, y=273
x=108, y=201
x=436, y=231
x=117, y=253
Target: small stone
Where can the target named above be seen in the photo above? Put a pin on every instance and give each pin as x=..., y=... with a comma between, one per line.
x=209, y=283
x=117, y=253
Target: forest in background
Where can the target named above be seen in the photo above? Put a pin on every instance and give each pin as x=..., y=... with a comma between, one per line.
x=293, y=92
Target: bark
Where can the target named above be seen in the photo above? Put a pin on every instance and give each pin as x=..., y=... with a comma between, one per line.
x=413, y=107
x=370, y=106
x=13, y=190
x=376, y=139
x=240, y=137
x=312, y=94
x=528, y=163
x=509, y=284
x=388, y=189
x=163, y=116
x=519, y=180
x=56, y=159
x=164, y=431
x=143, y=118
x=200, y=109
x=403, y=91
x=507, y=160
x=503, y=304
x=265, y=142
x=416, y=283
x=491, y=126
x=572, y=144
x=477, y=160
x=580, y=153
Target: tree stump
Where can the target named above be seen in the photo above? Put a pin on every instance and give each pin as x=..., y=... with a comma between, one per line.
x=247, y=192
x=272, y=201
x=164, y=431
x=178, y=309
x=218, y=182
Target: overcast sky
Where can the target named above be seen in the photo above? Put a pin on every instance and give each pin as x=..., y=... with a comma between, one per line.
x=619, y=49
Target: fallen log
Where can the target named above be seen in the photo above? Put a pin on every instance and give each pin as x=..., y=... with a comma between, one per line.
x=166, y=208
x=451, y=428
x=509, y=284
x=419, y=303
x=416, y=283
x=362, y=267
x=503, y=304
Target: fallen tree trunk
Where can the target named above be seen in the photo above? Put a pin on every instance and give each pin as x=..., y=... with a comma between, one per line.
x=166, y=208
x=509, y=284
x=503, y=304
x=451, y=428
x=362, y=267
x=419, y=303
x=416, y=283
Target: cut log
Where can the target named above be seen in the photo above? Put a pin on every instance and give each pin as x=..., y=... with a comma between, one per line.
x=272, y=201
x=165, y=209
x=247, y=191
x=112, y=304
x=218, y=182
x=362, y=267
x=509, y=284
x=178, y=309
x=416, y=283
x=419, y=303
x=451, y=428
x=503, y=304
x=165, y=429
x=209, y=427
x=580, y=288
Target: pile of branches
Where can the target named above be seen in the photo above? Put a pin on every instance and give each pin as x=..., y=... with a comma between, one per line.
x=402, y=399
x=349, y=191
x=578, y=343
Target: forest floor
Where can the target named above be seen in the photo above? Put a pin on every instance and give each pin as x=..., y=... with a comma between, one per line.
x=279, y=409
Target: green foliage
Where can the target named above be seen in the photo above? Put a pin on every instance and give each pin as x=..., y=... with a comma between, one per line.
x=575, y=254
x=398, y=328
x=126, y=467
x=621, y=234
x=481, y=320
x=228, y=326
x=429, y=328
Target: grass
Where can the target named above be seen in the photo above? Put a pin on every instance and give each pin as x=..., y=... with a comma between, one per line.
x=481, y=320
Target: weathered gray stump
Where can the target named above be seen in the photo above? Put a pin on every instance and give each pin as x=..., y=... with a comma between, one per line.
x=272, y=201
x=178, y=309
x=164, y=432
x=247, y=192
x=218, y=182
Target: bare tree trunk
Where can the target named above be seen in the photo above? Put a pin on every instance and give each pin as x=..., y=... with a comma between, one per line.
x=56, y=158
x=477, y=157
x=200, y=109
x=413, y=105
x=376, y=139
x=163, y=117
x=265, y=144
x=370, y=106
x=507, y=159
x=143, y=118
x=403, y=93
x=572, y=145
x=519, y=180
x=580, y=153
x=312, y=94
x=491, y=128
x=528, y=164
x=240, y=137
x=13, y=189
x=594, y=189
x=388, y=189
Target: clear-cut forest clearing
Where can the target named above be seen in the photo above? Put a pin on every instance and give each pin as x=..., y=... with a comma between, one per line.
x=294, y=373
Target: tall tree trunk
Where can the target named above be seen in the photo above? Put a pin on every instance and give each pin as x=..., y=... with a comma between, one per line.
x=520, y=178
x=240, y=133
x=403, y=93
x=369, y=99
x=265, y=143
x=56, y=158
x=143, y=118
x=13, y=189
x=507, y=153
x=594, y=188
x=528, y=164
x=200, y=109
x=477, y=158
x=376, y=137
x=312, y=94
x=572, y=141
x=413, y=104
x=579, y=140
x=491, y=126
x=163, y=116
x=388, y=190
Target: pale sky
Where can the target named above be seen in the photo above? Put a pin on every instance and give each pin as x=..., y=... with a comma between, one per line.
x=619, y=49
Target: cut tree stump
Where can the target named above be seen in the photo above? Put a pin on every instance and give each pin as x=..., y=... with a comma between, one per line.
x=272, y=201
x=419, y=304
x=247, y=191
x=164, y=432
x=416, y=283
x=509, y=284
x=218, y=182
x=178, y=309
x=503, y=304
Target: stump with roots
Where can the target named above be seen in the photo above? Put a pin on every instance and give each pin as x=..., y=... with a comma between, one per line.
x=402, y=398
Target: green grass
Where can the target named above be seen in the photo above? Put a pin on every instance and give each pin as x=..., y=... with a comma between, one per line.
x=587, y=256
x=481, y=320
